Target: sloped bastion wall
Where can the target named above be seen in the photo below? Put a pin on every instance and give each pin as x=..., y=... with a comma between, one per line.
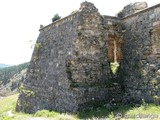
x=70, y=68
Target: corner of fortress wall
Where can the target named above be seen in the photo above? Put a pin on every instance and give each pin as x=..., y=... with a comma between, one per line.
x=70, y=66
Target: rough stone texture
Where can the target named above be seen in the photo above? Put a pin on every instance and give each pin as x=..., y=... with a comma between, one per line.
x=69, y=69
x=70, y=66
x=133, y=8
x=141, y=55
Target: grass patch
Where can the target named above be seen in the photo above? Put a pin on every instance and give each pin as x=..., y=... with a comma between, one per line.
x=46, y=113
x=54, y=115
x=114, y=67
x=8, y=103
x=126, y=112
x=150, y=111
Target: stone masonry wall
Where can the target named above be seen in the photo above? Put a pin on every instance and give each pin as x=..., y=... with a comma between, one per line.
x=132, y=8
x=69, y=69
x=70, y=66
x=141, y=56
x=47, y=79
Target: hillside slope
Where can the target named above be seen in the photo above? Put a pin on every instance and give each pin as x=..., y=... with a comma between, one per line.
x=3, y=65
x=11, y=78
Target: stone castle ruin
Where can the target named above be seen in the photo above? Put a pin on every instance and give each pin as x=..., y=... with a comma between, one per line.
x=70, y=67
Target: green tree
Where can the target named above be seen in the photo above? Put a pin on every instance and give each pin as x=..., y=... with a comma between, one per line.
x=56, y=17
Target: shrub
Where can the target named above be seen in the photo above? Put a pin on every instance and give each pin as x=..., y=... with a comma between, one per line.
x=114, y=67
x=56, y=17
x=45, y=113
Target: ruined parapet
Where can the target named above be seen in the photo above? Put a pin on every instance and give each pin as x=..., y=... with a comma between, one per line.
x=132, y=8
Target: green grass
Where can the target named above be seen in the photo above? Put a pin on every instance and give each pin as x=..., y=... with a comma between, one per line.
x=8, y=103
x=128, y=112
x=114, y=67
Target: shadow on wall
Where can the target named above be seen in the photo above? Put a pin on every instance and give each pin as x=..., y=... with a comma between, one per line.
x=111, y=112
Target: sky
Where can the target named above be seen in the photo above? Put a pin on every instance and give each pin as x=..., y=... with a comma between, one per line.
x=20, y=21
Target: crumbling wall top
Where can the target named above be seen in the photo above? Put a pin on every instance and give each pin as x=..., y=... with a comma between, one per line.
x=132, y=8
x=87, y=6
